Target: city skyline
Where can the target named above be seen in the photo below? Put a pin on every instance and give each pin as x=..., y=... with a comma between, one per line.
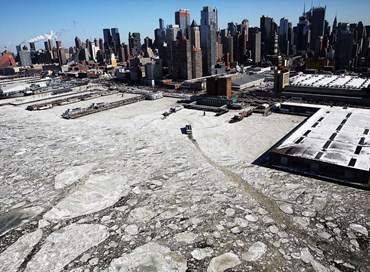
x=116, y=14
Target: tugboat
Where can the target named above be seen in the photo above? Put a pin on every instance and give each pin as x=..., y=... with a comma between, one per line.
x=241, y=116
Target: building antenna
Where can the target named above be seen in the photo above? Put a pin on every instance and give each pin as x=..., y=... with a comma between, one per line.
x=304, y=7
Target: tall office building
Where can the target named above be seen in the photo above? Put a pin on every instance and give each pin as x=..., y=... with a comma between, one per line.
x=83, y=55
x=182, y=66
x=43, y=57
x=195, y=35
x=267, y=35
x=135, y=43
x=161, y=23
x=47, y=47
x=182, y=19
x=243, y=41
x=229, y=56
x=172, y=33
x=101, y=45
x=148, y=43
x=303, y=33
x=232, y=28
x=196, y=51
x=125, y=52
x=283, y=36
x=208, y=39
x=317, y=20
x=32, y=46
x=255, y=44
x=18, y=48
x=78, y=43
x=116, y=40
x=25, y=58
x=107, y=39
x=58, y=44
x=159, y=34
x=360, y=36
x=344, y=48
x=51, y=44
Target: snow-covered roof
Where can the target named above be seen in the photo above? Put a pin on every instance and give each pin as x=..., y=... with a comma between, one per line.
x=333, y=135
x=13, y=88
x=330, y=81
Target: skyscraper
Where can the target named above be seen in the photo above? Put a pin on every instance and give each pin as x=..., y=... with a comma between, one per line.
x=107, y=39
x=243, y=41
x=47, y=46
x=267, y=35
x=317, y=20
x=25, y=58
x=78, y=43
x=159, y=34
x=255, y=44
x=231, y=28
x=161, y=23
x=195, y=35
x=196, y=51
x=172, y=32
x=182, y=67
x=182, y=19
x=343, y=47
x=135, y=43
x=208, y=39
x=58, y=44
x=116, y=40
x=101, y=45
x=32, y=46
x=303, y=33
x=283, y=36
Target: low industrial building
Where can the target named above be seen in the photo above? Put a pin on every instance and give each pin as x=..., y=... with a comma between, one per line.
x=247, y=81
x=334, y=88
x=13, y=89
x=333, y=143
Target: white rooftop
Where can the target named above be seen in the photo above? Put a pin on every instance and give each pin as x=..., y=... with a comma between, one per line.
x=329, y=81
x=13, y=88
x=333, y=135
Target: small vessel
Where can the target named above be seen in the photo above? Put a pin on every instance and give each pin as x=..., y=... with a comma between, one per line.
x=241, y=116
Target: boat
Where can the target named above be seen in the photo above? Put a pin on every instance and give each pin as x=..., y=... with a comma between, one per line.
x=241, y=116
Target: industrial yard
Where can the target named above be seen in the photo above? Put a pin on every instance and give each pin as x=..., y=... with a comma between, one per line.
x=125, y=190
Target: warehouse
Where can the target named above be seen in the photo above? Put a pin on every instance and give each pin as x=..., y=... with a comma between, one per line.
x=333, y=143
x=348, y=89
x=247, y=81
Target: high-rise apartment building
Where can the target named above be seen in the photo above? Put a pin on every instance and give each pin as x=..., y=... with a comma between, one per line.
x=208, y=39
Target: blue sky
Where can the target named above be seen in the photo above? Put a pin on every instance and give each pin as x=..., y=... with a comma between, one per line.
x=23, y=19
